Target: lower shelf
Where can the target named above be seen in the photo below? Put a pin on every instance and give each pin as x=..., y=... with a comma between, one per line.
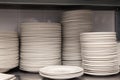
x=21, y=75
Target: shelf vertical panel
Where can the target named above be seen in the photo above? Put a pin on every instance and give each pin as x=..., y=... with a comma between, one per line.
x=117, y=24
x=104, y=20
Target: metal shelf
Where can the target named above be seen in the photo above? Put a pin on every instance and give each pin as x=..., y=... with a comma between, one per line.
x=63, y=2
x=20, y=75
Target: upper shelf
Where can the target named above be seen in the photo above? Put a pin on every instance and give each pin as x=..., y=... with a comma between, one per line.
x=64, y=2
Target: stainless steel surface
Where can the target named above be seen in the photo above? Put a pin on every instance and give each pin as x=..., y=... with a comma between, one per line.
x=34, y=76
x=64, y=2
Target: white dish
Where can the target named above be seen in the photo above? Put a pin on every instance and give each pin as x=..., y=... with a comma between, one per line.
x=99, y=33
x=68, y=76
x=94, y=49
x=6, y=76
x=29, y=69
x=61, y=72
x=13, y=78
x=52, y=57
x=98, y=73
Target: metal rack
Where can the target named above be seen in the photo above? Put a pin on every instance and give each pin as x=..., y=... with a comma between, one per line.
x=62, y=5
x=63, y=2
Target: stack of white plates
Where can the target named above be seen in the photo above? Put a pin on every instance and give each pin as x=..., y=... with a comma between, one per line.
x=7, y=77
x=99, y=53
x=40, y=45
x=8, y=51
x=74, y=22
x=61, y=72
x=118, y=51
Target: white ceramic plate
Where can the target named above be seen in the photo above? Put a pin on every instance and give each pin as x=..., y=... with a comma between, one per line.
x=68, y=76
x=98, y=33
x=98, y=73
x=61, y=72
x=6, y=76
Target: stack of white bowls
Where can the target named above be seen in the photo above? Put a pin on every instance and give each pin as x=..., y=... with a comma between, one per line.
x=40, y=45
x=99, y=53
x=8, y=50
x=74, y=22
